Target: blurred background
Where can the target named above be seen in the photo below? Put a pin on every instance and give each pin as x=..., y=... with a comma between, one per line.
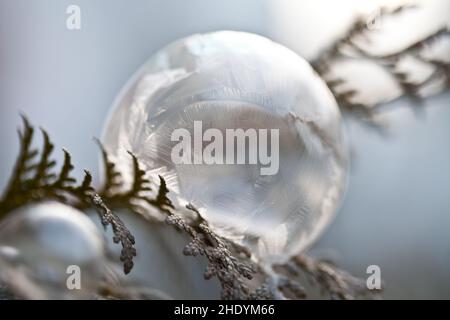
x=396, y=213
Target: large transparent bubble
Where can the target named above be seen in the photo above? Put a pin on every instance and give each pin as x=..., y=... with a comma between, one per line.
x=234, y=80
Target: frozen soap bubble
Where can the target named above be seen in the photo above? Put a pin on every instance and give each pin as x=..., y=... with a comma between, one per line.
x=234, y=80
x=42, y=245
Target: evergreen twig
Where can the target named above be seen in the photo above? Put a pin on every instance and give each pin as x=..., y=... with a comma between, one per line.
x=231, y=271
x=35, y=182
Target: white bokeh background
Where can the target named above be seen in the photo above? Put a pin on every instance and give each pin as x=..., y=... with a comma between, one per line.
x=397, y=210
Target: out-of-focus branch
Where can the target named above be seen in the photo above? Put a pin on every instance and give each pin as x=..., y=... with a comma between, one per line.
x=357, y=29
x=337, y=283
x=348, y=47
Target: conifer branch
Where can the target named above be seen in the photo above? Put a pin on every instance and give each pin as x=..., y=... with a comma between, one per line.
x=121, y=233
x=137, y=194
x=35, y=182
x=64, y=179
x=229, y=262
x=43, y=174
x=162, y=201
x=231, y=271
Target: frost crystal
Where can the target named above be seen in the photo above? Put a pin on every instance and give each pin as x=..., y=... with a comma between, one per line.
x=234, y=80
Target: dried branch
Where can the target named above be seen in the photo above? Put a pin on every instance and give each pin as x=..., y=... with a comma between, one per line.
x=112, y=190
x=43, y=174
x=229, y=270
x=162, y=201
x=121, y=233
x=64, y=179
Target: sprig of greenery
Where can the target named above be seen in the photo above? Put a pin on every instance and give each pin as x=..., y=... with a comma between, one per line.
x=33, y=181
x=121, y=233
x=239, y=275
x=162, y=201
x=137, y=195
